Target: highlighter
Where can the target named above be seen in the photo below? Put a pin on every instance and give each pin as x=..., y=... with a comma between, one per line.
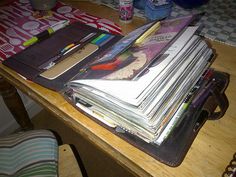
x=45, y=34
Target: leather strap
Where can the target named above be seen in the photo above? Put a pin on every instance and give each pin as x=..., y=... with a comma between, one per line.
x=217, y=103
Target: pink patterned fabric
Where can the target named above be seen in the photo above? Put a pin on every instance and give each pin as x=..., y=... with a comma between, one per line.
x=19, y=23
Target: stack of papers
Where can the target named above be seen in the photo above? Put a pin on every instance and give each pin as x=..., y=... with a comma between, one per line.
x=151, y=86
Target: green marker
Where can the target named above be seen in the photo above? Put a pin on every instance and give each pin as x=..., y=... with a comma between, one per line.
x=96, y=39
x=45, y=34
x=30, y=41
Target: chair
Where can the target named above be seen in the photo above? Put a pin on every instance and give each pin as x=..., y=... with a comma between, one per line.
x=36, y=153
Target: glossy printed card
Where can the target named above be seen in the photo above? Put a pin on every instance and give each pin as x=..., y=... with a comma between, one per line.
x=129, y=63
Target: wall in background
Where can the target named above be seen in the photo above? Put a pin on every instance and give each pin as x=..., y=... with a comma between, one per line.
x=7, y=122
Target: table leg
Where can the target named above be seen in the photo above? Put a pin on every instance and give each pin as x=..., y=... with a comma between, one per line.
x=14, y=103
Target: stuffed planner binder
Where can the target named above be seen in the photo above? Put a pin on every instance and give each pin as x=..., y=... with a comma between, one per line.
x=70, y=50
x=175, y=145
x=153, y=87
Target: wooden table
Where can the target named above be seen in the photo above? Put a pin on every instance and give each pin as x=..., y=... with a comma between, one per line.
x=211, y=151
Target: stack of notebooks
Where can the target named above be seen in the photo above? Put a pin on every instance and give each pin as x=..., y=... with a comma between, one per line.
x=145, y=82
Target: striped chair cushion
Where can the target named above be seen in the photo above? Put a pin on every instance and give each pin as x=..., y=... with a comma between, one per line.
x=29, y=154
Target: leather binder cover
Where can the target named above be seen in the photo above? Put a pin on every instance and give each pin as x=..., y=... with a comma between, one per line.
x=29, y=61
x=173, y=150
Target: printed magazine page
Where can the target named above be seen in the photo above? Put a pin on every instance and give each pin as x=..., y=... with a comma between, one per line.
x=120, y=64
